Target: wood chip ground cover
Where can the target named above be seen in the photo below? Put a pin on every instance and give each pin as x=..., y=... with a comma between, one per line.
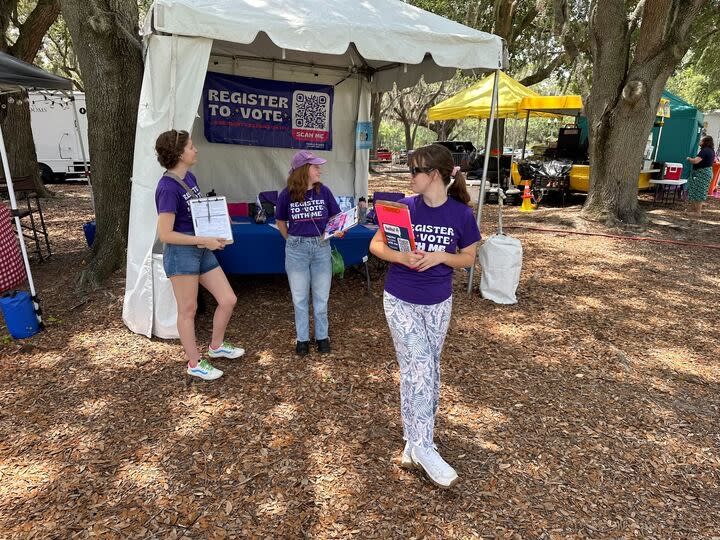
x=590, y=409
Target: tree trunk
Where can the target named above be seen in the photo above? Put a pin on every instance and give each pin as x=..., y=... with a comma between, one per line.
x=443, y=128
x=15, y=121
x=408, y=133
x=105, y=35
x=626, y=88
x=617, y=142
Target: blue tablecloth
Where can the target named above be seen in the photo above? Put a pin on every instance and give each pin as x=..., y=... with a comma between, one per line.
x=260, y=249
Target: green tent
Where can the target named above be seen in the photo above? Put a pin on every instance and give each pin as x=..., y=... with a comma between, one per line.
x=681, y=133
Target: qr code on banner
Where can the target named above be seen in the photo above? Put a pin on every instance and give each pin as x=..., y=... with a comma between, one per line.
x=311, y=110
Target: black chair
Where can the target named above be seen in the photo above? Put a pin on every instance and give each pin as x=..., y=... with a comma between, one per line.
x=30, y=213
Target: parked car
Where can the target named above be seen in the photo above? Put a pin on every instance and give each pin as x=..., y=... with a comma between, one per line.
x=384, y=154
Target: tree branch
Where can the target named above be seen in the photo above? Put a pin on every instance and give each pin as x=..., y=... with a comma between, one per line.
x=33, y=30
x=634, y=19
x=544, y=72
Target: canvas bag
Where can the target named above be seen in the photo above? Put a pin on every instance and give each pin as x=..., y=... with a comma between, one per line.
x=501, y=262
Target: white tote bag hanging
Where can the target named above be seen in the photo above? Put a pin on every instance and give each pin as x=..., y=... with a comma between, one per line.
x=501, y=262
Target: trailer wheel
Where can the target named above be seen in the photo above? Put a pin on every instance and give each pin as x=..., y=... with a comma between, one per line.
x=46, y=173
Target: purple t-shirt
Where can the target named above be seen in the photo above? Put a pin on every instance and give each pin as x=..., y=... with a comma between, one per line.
x=309, y=217
x=170, y=196
x=444, y=228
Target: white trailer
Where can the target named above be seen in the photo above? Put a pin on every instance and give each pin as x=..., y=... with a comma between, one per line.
x=53, y=121
x=712, y=125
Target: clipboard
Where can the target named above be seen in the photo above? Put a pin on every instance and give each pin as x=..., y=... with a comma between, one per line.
x=395, y=225
x=210, y=217
x=341, y=222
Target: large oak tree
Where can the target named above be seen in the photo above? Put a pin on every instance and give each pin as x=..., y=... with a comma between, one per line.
x=635, y=49
x=106, y=41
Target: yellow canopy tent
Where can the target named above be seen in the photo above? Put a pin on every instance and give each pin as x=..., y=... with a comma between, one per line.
x=571, y=105
x=561, y=105
x=475, y=101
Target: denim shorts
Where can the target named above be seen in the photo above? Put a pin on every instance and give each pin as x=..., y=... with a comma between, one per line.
x=181, y=260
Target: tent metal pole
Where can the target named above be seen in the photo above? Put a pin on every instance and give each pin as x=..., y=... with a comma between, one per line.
x=527, y=124
x=18, y=225
x=354, y=137
x=71, y=95
x=486, y=162
x=657, y=144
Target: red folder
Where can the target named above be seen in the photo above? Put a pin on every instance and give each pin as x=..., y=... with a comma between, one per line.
x=394, y=221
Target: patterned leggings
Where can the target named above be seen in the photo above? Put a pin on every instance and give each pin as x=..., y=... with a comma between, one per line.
x=418, y=332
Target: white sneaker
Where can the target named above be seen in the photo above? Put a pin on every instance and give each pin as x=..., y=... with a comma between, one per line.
x=438, y=471
x=204, y=370
x=406, y=461
x=226, y=350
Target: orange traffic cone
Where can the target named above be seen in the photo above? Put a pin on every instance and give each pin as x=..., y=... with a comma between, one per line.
x=527, y=205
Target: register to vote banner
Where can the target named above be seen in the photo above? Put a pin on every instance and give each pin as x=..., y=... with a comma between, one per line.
x=260, y=112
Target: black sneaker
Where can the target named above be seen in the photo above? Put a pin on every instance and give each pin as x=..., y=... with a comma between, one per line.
x=323, y=345
x=302, y=348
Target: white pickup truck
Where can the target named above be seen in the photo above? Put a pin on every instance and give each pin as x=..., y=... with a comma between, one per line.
x=57, y=144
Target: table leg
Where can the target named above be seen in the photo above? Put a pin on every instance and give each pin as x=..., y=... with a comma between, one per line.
x=367, y=273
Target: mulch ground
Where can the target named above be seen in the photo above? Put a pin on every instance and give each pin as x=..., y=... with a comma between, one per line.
x=588, y=409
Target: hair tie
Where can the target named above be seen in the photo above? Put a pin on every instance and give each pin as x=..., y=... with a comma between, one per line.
x=456, y=169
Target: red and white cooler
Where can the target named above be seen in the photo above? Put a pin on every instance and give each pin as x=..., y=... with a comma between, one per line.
x=673, y=171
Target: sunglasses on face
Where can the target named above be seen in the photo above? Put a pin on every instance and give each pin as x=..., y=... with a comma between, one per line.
x=417, y=170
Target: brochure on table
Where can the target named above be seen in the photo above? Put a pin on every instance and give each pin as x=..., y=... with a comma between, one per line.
x=341, y=222
x=394, y=221
x=211, y=218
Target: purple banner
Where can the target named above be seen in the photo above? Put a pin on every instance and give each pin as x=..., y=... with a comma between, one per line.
x=259, y=112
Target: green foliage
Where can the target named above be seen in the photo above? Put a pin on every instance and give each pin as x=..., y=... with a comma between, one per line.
x=697, y=88
x=392, y=135
x=698, y=80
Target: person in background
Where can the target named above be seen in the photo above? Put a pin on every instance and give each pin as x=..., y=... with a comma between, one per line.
x=701, y=176
x=418, y=297
x=301, y=214
x=188, y=259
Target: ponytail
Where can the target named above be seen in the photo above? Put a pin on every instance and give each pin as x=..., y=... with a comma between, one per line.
x=458, y=189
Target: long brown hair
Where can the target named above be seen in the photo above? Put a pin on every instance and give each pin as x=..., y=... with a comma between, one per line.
x=297, y=183
x=439, y=158
x=707, y=142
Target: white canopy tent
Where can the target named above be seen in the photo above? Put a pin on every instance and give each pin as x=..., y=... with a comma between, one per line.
x=358, y=47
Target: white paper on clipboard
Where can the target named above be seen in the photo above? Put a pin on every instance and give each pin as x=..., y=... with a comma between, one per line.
x=211, y=218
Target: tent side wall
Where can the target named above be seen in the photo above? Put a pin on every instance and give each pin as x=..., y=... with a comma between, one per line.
x=680, y=138
x=169, y=98
x=680, y=134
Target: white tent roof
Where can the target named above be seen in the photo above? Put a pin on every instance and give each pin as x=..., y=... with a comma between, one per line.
x=392, y=40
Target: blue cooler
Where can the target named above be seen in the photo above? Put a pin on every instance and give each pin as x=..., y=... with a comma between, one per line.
x=17, y=308
x=89, y=230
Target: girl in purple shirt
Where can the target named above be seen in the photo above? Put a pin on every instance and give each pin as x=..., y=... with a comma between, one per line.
x=188, y=260
x=418, y=297
x=301, y=214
